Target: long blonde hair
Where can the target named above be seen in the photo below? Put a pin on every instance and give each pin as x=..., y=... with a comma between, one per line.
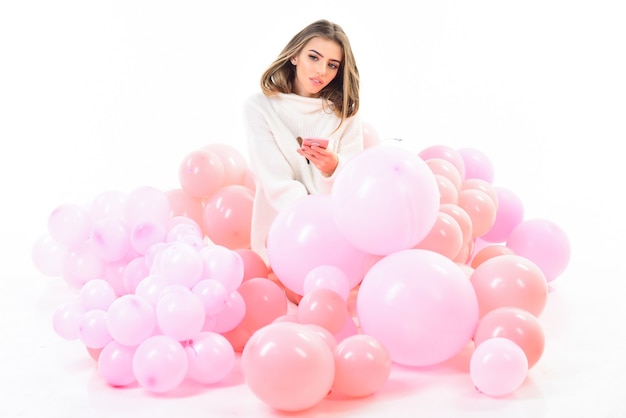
x=342, y=92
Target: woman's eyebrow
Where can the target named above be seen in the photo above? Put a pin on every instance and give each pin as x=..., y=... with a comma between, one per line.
x=337, y=61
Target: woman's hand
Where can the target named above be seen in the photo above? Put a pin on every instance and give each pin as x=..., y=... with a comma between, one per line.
x=324, y=160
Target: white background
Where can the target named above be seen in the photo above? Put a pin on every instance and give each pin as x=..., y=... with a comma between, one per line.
x=100, y=95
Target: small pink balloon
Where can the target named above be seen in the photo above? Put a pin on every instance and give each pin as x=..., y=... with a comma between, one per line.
x=498, y=367
x=230, y=316
x=445, y=237
x=183, y=204
x=222, y=264
x=461, y=216
x=69, y=224
x=66, y=320
x=211, y=358
x=130, y=320
x=265, y=301
x=544, y=243
x=109, y=203
x=146, y=203
x=82, y=265
x=371, y=137
x=446, y=153
x=477, y=164
x=160, y=364
x=481, y=209
x=323, y=307
x=180, y=263
x=213, y=295
x=179, y=313
x=328, y=277
x=233, y=161
x=509, y=214
x=445, y=169
x=92, y=329
x=288, y=366
x=227, y=216
x=48, y=255
x=253, y=264
x=145, y=234
x=110, y=239
x=201, y=173
x=97, y=294
x=133, y=273
x=115, y=364
x=362, y=366
x=448, y=193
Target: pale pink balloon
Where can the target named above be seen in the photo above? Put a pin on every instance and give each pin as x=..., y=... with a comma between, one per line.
x=213, y=295
x=233, y=161
x=253, y=264
x=384, y=199
x=145, y=234
x=110, y=239
x=109, y=203
x=230, y=316
x=481, y=209
x=82, y=265
x=211, y=358
x=48, y=255
x=446, y=169
x=362, y=366
x=510, y=280
x=303, y=236
x=445, y=237
x=509, y=214
x=323, y=307
x=224, y=265
x=92, y=329
x=448, y=193
x=179, y=313
x=544, y=243
x=150, y=288
x=130, y=320
x=498, y=367
x=146, y=203
x=69, y=224
x=160, y=364
x=227, y=216
x=97, y=294
x=179, y=263
x=288, y=366
x=201, y=173
x=477, y=164
x=115, y=364
x=114, y=275
x=66, y=320
x=181, y=231
x=461, y=216
x=447, y=153
x=482, y=185
x=419, y=305
x=328, y=277
x=133, y=273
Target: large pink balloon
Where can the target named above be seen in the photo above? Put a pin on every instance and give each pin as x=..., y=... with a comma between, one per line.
x=288, y=366
x=385, y=199
x=227, y=216
x=201, y=173
x=233, y=161
x=419, y=305
x=304, y=236
x=160, y=364
x=543, y=242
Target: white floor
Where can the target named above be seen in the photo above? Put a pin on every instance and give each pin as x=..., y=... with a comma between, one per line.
x=112, y=96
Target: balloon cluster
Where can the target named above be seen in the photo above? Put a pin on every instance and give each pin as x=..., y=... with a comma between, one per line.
x=409, y=258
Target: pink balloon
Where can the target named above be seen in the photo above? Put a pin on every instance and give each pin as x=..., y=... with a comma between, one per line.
x=146, y=203
x=304, y=236
x=461, y=216
x=445, y=168
x=145, y=234
x=48, y=255
x=509, y=214
x=92, y=329
x=150, y=288
x=115, y=364
x=384, y=199
x=130, y=320
x=211, y=358
x=133, y=273
x=97, y=294
x=481, y=209
x=183, y=204
x=362, y=366
x=110, y=239
x=371, y=137
x=288, y=366
x=201, y=173
x=109, y=203
x=543, y=242
x=230, y=316
x=447, y=153
x=69, y=224
x=445, y=237
x=498, y=367
x=233, y=161
x=477, y=164
x=213, y=295
x=227, y=216
x=179, y=313
x=82, y=265
x=160, y=364
x=327, y=277
x=66, y=320
x=253, y=264
x=265, y=301
x=323, y=307
x=224, y=265
x=448, y=193
x=179, y=263
x=419, y=305
x=510, y=280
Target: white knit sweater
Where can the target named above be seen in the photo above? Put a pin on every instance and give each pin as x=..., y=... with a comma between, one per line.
x=272, y=125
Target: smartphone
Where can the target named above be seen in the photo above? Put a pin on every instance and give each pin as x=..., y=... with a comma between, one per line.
x=320, y=142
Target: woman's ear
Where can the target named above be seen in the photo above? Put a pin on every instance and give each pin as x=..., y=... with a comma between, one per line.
x=293, y=60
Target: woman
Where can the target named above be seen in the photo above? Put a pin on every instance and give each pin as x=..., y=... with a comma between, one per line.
x=310, y=91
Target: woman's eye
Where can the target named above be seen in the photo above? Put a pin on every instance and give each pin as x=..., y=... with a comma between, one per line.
x=333, y=66
x=313, y=57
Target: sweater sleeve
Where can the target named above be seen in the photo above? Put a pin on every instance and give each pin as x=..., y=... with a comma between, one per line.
x=269, y=163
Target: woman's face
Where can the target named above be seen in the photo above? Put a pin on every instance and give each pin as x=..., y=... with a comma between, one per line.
x=317, y=65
